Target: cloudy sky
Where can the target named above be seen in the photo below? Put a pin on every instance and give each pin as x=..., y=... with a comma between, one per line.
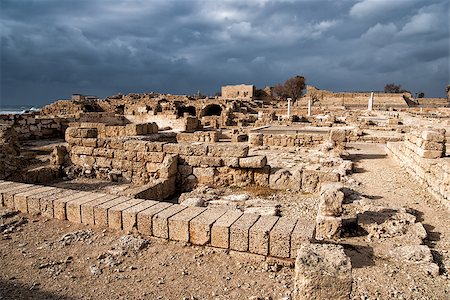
x=53, y=48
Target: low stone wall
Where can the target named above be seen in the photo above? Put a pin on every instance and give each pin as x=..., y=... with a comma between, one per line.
x=30, y=126
x=198, y=136
x=434, y=174
x=273, y=236
x=426, y=143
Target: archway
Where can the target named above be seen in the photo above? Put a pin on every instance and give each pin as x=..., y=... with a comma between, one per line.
x=212, y=110
x=190, y=110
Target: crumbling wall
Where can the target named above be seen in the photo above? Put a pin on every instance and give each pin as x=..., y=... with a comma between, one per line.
x=31, y=126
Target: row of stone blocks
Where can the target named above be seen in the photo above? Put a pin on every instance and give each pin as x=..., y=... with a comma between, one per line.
x=229, y=229
x=435, y=175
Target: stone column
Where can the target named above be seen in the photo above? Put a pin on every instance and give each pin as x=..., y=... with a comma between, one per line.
x=309, y=107
x=289, y=107
x=370, y=105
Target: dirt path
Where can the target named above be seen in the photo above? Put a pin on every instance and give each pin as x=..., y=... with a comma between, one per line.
x=381, y=179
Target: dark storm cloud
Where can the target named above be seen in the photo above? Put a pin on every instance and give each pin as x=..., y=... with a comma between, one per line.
x=52, y=48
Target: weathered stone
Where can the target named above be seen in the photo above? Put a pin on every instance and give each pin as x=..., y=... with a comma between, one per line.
x=129, y=215
x=179, y=223
x=160, y=224
x=87, y=209
x=254, y=162
x=144, y=218
x=115, y=212
x=303, y=233
x=328, y=227
x=322, y=271
x=227, y=150
x=220, y=231
x=200, y=226
x=259, y=235
x=73, y=207
x=280, y=237
x=101, y=211
x=239, y=232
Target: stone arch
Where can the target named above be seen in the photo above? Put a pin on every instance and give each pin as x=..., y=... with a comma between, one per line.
x=190, y=110
x=211, y=110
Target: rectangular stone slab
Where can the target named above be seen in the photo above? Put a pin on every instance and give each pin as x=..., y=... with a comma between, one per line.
x=46, y=200
x=160, y=224
x=200, y=226
x=8, y=195
x=302, y=233
x=20, y=200
x=259, y=235
x=129, y=215
x=7, y=189
x=280, y=237
x=59, y=204
x=101, y=211
x=144, y=218
x=87, y=209
x=115, y=213
x=73, y=207
x=34, y=201
x=220, y=231
x=179, y=223
x=239, y=232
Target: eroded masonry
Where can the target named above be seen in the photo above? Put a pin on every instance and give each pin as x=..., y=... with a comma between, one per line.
x=239, y=172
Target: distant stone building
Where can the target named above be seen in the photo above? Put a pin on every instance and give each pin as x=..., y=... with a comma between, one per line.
x=241, y=91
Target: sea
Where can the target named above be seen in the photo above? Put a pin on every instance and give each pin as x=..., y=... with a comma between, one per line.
x=12, y=109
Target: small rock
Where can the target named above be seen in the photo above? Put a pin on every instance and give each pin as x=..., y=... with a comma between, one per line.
x=95, y=270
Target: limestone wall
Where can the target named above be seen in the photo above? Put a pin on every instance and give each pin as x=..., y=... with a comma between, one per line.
x=30, y=126
x=109, y=151
x=433, y=172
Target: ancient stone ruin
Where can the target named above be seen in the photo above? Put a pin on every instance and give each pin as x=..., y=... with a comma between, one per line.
x=242, y=174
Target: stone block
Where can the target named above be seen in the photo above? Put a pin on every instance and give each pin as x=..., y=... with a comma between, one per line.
x=322, y=271
x=330, y=202
x=220, y=231
x=187, y=149
x=204, y=175
x=81, y=150
x=144, y=217
x=101, y=211
x=337, y=135
x=303, y=233
x=87, y=209
x=59, y=204
x=430, y=154
x=115, y=212
x=427, y=145
x=44, y=201
x=152, y=157
x=73, y=207
x=20, y=199
x=8, y=186
x=310, y=181
x=8, y=194
x=254, y=162
x=155, y=146
x=203, y=161
x=179, y=223
x=232, y=162
x=227, y=150
x=239, y=232
x=328, y=228
x=261, y=176
x=129, y=215
x=256, y=139
x=169, y=166
x=280, y=237
x=160, y=224
x=109, y=153
x=433, y=136
x=259, y=235
x=200, y=226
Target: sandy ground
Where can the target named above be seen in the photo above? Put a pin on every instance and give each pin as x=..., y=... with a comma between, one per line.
x=52, y=259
